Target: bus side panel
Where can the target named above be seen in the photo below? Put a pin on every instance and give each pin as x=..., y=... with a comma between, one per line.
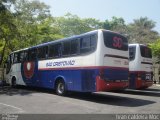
x=88, y=80
x=132, y=80
x=76, y=77
x=43, y=80
x=77, y=72
x=29, y=72
x=76, y=80
x=16, y=73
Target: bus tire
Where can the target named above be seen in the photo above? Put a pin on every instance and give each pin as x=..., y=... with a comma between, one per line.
x=13, y=83
x=60, y=88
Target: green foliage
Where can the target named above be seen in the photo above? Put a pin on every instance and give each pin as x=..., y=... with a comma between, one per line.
x=116, y=24
x=47, y=31
x=29, y=15
x=28, y=23
x=72, y=25
x=8, y=28
x=156, y=48
x=141, y=31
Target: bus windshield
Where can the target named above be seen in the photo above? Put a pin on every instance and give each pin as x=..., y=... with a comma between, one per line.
x=115, y=41
x=145, y=51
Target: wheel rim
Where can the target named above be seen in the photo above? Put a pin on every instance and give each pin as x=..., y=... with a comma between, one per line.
x=60, y=88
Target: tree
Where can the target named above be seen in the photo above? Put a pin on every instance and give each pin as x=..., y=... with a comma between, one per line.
x=27, y=24
x=116, y=24
x=72, y=25
x=47, y=31
x=7, y=26
x=35, y=24
x=29, y=15
x=141, y=31
x=156, y=48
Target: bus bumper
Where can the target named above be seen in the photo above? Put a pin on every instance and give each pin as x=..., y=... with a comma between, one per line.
x=102, y=85
x=142, y=84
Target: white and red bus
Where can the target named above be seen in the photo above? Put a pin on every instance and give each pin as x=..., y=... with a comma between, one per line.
x=140, y=66
x=90, y=62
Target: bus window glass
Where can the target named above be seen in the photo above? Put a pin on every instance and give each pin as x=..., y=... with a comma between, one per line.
x=132, y=52
x=41, y=52
x=75, y=47
x=16, y=58
x=25, y=58
x=115, y=41
x=12, y=58
x=85, y=45
x=145, y=51
x=93, y=41
x=32, y=54
x=51, y=51
x=55, y=50
x=66, y=48
x=21, y=55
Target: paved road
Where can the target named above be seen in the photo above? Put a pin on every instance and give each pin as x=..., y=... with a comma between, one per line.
x=29, y=100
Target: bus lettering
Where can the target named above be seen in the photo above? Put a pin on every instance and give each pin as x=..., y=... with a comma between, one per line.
x=61, y=63
x=49, y=64
x=117, y=42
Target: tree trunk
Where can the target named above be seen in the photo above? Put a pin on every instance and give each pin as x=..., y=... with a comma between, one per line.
x=2, y=54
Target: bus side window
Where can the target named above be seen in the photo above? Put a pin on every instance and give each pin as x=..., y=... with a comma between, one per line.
x=12, y=58
x=85, y=44
x=32, y=54
x=93, y=41
x=55, y=50
x=21, y=56
x=16, y=58
x=66, y=48
x=25, y=57
x=75, y=45
x=132, y=51
x=42, y=52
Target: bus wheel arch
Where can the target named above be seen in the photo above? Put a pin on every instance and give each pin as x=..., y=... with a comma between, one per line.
x=60, y=86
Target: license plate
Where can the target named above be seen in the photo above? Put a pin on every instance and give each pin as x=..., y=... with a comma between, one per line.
x=148, y=77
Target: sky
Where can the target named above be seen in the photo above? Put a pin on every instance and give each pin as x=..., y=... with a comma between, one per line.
x=106, y=9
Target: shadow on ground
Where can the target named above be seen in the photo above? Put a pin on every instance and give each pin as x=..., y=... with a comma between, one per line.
x=109, y=99
x=19, y=90
x=145, y=92
x=116, y=100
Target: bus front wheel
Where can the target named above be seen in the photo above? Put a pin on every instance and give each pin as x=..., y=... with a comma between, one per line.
x=60, y=88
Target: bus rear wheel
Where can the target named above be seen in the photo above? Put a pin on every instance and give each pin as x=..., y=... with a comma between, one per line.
x=60, y=88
